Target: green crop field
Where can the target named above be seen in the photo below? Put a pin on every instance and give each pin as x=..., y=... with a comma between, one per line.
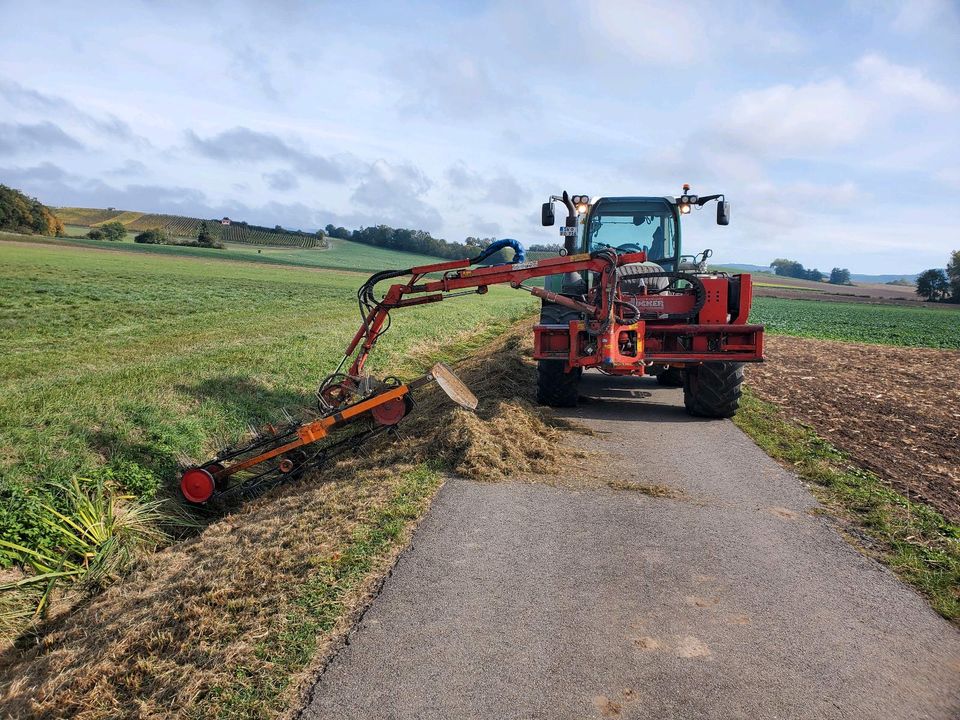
x=126, y=362
x=935, y=327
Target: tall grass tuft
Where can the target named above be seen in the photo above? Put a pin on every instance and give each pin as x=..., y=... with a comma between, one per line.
x=99, y=535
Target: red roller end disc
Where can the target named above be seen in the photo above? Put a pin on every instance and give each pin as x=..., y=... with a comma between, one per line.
x=197, y=485
x=391, y=412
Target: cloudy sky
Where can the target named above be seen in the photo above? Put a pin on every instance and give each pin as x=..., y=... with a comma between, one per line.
x=831, y=126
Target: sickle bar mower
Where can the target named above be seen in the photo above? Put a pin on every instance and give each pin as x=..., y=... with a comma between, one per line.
x=285, y=451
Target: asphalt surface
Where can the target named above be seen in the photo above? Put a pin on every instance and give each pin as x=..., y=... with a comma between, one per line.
x=525, y=600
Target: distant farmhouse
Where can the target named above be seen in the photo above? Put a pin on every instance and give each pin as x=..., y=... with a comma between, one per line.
x=225, y=221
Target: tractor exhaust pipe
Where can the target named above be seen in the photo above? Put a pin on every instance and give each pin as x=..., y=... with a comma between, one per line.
x=570, y=241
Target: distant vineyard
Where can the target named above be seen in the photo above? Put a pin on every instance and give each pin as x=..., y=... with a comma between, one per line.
x=84, y=216
x=253, y=235
x=181, y=226
x=170, y=224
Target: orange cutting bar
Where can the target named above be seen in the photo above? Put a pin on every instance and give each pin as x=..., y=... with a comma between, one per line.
x=318, y=429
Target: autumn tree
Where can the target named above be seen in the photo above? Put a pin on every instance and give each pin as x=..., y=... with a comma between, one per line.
x=22, y=214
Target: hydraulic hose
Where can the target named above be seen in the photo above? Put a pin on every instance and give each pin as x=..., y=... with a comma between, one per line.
x=519, y=255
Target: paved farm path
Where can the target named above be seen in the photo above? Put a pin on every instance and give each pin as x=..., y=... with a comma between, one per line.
x=532, y=601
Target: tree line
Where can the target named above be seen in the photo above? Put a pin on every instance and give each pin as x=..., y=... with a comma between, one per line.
x=794, y=269
x=22, y=214
x=938, y=285
x=546, y=248
x=415, y=241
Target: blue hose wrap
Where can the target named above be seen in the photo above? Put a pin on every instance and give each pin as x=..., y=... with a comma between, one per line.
x=518, y=257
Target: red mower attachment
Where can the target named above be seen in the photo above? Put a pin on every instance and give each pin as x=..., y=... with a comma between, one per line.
x=285, y=451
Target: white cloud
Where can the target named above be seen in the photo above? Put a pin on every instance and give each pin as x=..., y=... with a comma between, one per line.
x=281, y=180
x=786, y=120
x=900, y=81
x=654, y=32
x=454, y=84
x=500, y=188
x=395, y=191
x=680, y=35
x=839, y=112
x=917, y=16
x=949, y=176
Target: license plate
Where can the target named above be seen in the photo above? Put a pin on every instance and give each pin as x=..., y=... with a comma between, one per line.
x=568, y=231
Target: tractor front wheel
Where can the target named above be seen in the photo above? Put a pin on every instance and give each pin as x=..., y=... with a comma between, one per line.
x=555, y=386
x=713, y=390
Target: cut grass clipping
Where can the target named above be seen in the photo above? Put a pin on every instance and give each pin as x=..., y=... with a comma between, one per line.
x=914, y=540
x=232, y=622
x=654, y=490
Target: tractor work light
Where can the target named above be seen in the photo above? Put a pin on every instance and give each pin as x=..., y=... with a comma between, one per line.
x=684, y=208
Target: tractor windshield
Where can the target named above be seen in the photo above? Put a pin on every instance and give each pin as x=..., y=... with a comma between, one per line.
x=635, y=225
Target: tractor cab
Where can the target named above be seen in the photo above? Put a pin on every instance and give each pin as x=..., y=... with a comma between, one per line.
x=631, y=224
x=627, y=225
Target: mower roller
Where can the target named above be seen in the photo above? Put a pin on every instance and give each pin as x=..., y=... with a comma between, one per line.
x=619, y=298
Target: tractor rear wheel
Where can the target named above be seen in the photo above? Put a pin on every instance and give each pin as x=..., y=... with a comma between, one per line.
x=713, y=390
x=555, y=386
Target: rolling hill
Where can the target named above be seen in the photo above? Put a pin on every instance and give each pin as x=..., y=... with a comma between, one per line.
x=187, y=227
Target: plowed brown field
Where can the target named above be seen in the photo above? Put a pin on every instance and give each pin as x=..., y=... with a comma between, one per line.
x=895, y=411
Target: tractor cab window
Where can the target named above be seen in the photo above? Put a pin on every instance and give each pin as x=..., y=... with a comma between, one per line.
x=649, y=226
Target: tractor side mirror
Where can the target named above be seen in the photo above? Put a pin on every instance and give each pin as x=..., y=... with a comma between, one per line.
x=723, y=212
x=547, y=218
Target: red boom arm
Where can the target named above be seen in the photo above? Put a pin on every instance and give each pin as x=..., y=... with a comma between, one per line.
x=458, y=277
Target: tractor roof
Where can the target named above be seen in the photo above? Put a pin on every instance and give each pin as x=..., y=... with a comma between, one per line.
x=631, y=200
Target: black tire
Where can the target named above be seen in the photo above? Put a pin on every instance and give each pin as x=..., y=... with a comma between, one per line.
x=555, y=386
x=671, y=377
x=713, y=390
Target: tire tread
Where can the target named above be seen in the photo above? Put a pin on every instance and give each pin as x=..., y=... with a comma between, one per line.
x=713, y=390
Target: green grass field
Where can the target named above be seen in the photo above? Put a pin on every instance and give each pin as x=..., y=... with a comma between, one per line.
x=132, y=361
x=341, y=255
x=79, y=231
x=921, y=326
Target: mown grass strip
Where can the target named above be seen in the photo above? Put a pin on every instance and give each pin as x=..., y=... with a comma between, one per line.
x=323, y=600
x=914, y=540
